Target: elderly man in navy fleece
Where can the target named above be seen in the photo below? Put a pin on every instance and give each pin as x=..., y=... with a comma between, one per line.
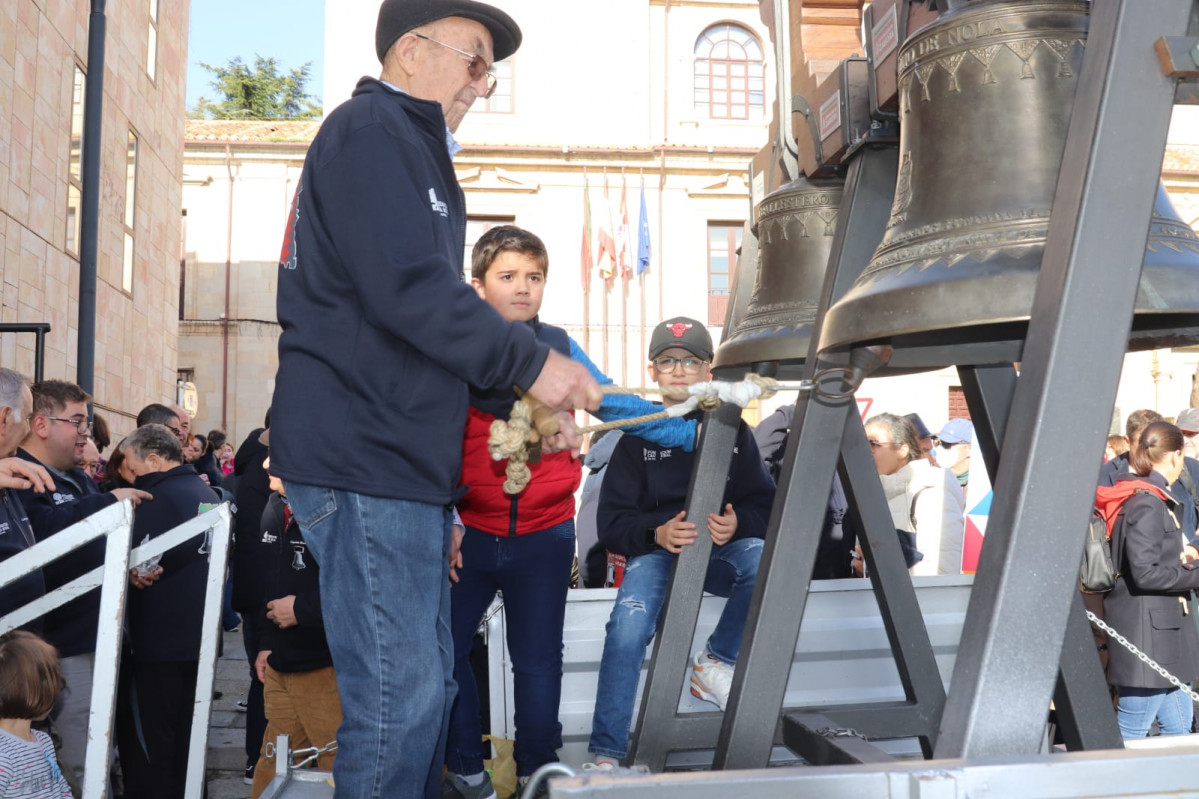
x=380, y=339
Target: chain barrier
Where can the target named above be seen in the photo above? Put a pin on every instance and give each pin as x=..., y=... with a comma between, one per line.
x=1148, y=661
x=312, y=752
x=839, y=732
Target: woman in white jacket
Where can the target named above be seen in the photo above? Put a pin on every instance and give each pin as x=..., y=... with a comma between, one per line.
x=923, y=499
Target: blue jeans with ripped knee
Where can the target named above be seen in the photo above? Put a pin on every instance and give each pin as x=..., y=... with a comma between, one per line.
x=732, y=569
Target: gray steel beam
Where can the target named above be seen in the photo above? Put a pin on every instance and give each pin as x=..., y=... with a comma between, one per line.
x=822, y=742
x=1081, y=699
x=656, y=720
x=1008, y=657
x=1074, y=775
x=989, y=391
x=892, y=584
x=772, y=627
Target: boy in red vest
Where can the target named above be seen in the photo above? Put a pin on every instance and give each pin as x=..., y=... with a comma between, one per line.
x=523, y=544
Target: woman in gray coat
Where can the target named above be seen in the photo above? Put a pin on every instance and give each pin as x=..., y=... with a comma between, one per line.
x=1147, y=604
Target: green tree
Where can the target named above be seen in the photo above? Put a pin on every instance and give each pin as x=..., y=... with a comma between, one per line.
x=260, y=92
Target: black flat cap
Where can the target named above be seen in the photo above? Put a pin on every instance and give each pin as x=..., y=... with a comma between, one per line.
x=397, y=17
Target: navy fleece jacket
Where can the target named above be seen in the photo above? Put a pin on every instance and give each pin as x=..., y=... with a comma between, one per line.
x=72, y=627
x=380, y=334
x=645, y=485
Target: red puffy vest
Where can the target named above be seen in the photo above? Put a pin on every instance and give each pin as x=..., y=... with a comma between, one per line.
x=547, y=500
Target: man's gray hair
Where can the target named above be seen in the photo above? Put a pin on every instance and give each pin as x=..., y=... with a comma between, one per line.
x=153, y=438
x=10, y=388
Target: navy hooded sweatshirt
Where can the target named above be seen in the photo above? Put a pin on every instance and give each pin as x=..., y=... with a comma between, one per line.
x=165, y=617
x=645, y=485
x=380, y=335
x=16, y=536
x=72, y=627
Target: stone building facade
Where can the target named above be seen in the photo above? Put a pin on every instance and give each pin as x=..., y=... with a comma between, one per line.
x=43, y=69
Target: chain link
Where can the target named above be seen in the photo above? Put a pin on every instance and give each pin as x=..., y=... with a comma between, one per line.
x=839, y=732
x=1148, y=661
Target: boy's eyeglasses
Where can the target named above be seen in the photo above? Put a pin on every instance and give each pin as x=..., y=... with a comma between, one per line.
x=475, y=65
x=690, y=364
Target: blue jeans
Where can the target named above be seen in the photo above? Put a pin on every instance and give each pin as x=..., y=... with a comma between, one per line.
x=1138, y=707
x=533, y=572
x=732, y=569
x=385, y=596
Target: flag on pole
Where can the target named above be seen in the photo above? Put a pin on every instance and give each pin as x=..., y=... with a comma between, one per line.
x=622, y=235
x=587, y=261
x=643, y=244
x=606, y=255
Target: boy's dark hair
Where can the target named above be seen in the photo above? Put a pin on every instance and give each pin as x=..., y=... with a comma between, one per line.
x=506, y=238
x=30, y=677
x=51, y=396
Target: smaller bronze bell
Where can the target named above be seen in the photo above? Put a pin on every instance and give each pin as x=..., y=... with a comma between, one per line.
x=773, y=323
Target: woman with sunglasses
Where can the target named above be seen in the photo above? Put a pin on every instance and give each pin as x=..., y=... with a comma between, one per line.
x=923, y=499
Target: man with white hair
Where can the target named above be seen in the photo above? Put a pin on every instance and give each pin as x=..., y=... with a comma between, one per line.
x=380, y=339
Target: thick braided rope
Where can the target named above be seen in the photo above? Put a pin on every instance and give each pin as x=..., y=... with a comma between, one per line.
x=510, y=439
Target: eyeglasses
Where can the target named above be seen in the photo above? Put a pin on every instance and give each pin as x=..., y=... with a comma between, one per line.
x=82, y=426
x=475, y=65
x=690, y=364
x=880, y=444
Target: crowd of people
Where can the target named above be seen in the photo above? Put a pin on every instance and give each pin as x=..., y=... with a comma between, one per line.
x=370, y=498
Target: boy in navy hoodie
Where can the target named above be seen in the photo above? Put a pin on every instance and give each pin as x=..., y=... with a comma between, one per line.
x=641, y=516
x=521, y=544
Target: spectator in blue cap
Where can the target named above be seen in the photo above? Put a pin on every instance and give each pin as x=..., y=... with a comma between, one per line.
x=954, y=451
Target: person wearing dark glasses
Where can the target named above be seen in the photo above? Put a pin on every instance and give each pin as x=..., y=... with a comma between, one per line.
x=380, y=339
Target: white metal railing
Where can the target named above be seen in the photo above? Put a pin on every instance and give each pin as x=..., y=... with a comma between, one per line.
x=116, y=523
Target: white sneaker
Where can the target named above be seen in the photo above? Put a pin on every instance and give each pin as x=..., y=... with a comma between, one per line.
x=711, y=679
x=602, y=766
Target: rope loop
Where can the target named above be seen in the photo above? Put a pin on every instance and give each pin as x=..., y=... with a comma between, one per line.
x=514, y=439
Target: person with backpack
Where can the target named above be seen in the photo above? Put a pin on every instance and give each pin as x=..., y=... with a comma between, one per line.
x=1154, y=578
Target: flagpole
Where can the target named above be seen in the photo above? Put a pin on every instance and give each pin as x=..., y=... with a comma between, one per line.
x=607, y=283
x=586, y=265
x=641, y=351
x=624, y=282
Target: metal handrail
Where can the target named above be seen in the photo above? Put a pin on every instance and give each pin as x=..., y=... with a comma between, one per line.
x=116, y=524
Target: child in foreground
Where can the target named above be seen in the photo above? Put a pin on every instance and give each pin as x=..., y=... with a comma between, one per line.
x=641, y=515
x=521, y=544
x=30, y=682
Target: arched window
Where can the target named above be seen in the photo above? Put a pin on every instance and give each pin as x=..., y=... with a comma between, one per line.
x=729, y=73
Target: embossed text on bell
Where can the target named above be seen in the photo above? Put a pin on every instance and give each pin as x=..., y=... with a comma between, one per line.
x=985, y=95
x=795, y=234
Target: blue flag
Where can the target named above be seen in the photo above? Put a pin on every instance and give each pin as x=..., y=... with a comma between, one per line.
x=643, y=236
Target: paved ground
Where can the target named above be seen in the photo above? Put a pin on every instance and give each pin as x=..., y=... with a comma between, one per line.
x=227, y=730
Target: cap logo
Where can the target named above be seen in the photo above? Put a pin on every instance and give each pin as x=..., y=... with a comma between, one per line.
x=679, y=328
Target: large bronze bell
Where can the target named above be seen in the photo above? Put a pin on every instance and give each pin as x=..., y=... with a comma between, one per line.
x=773, y=323
x=985, y=99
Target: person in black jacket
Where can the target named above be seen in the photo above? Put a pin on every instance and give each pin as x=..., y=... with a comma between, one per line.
x=16, y=534
x=294, y=663
x=250, y=498
x=163, y=620
x=58, y=430
x=1146, y=604
x=641, y=516
x=380, y=338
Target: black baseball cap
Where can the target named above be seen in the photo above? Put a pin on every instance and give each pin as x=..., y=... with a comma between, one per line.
x=681, y=331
